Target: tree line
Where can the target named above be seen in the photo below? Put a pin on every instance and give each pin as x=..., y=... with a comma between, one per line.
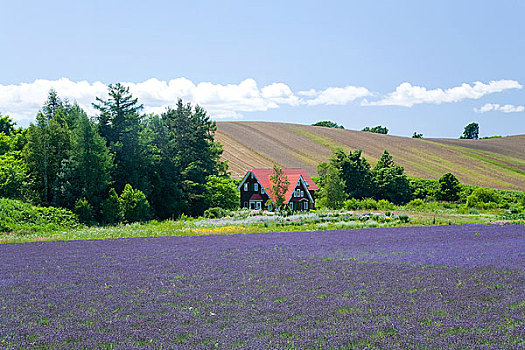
x=350, y=176
x=120, y=165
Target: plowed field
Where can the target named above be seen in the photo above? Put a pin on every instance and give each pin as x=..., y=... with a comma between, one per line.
x=498, y=163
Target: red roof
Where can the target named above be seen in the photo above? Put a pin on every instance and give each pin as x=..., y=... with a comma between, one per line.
x=293, y=175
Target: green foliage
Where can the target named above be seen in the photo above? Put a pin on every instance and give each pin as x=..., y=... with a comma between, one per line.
x=221, y=191
x=134, y=205
x=471, y=131
x=328, y=124
x=351, y=204
x=84, y=211
x=377, y=129
x=415, y=203
x=279, y=185
x=188, y=155
x=23, y=217
x=389, y=180
x=490, y=137
x=355, y=173
x=403, y=218
x=368, y=204
x=383, y=204
x=483, y=198
x=216, y=213
x=423, y=188
x=111, y=210
x=7, y=125
x=92, y=161
x=449, y=188
x=121, y=125
x=13, y=175
x=416, y=135
x=331, y=194
x=48, y=143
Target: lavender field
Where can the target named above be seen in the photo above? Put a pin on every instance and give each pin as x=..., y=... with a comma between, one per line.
x=406, y=287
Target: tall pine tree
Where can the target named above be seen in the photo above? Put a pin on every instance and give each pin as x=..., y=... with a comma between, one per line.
x=121, y=125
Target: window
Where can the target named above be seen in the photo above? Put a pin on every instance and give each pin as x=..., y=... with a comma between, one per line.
x=302, y=193
x=246, y=187
x=258, y=205
x=256, y=187
x=297, y=193
x=270, y=206
x=305, y=205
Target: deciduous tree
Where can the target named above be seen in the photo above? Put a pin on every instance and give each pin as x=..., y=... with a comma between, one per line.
x=279, y=186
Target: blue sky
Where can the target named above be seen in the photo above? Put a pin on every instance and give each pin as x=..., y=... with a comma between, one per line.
x=278, y=61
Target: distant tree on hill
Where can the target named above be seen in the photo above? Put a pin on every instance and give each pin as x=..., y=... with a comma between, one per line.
x=471, y=132
x=377, y=129
x=415, y=135
x=328, y=124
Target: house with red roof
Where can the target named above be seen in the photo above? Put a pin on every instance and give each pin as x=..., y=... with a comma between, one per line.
x=256, y=190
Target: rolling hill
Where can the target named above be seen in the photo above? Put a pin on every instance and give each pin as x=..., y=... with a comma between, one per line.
x=497, y=163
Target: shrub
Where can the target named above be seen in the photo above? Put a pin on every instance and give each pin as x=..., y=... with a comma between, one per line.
x=111, y=210
x=423, y=188
x=351, y=204
x=368, y=204
x=135, y=206
x=449, y=188
x=416, y=203
x=16, y=215
x=222, y=192
x=84, y=210
x=483, y=198
x=403, y=218
x=383, y=204
x=216, y=213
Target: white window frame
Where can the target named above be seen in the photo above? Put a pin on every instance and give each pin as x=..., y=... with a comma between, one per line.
x=305, y=206
x=246, y=186
x=258, y=205
x=256, y=187
x=297, y=192
x=302, y=193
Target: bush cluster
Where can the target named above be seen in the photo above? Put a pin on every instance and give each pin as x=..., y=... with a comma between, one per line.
x=16, y=215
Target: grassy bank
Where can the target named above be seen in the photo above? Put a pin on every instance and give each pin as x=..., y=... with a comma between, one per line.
x=244, y=222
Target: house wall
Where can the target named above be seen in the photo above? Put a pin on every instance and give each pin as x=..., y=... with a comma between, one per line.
x=300, y=186
x=245, y=195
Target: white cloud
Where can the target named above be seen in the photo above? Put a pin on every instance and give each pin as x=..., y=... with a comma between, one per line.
x=335, y=95
x=501, y=108
x=407, y=95
x=23, y=101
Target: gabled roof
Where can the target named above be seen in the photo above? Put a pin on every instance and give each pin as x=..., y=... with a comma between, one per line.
x=293, y=175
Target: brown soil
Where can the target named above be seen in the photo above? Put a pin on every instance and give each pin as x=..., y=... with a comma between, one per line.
x=495, y=163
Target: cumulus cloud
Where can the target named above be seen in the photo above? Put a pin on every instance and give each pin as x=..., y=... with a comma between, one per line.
x=23, y=101
x=488, y=107
x=335, y=95
x=408, y=95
